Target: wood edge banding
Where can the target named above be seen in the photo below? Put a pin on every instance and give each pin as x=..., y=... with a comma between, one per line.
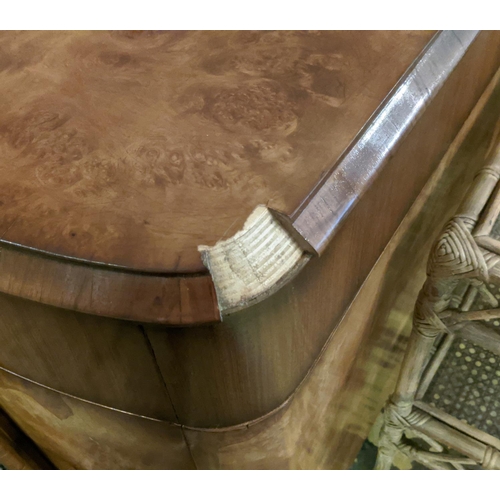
x=321, y=215
x=183, y=300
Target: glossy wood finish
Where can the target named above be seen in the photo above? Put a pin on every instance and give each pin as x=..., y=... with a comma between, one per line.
x=343, y=392
x=107, y=292
x=219, y=391
x=131, y=149
x=319, y=218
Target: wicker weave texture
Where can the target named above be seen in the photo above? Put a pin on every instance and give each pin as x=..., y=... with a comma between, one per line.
x=467, y=386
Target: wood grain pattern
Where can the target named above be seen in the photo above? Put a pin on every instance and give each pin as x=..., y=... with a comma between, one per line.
x=17, y=451
x=227, y=386
x=328, y=206
x=174, y=299
x=105, y=291
x=86, y=436
x=108, y=362
x=129, y=150
x=134, y=148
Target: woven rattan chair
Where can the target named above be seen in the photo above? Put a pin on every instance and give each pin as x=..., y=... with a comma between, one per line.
x=445, y=411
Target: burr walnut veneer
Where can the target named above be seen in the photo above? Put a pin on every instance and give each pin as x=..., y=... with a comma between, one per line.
x=185, y=218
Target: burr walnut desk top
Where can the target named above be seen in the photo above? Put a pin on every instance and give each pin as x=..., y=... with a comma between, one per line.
x=123, y=152
x=178, y=177
x=153, y=180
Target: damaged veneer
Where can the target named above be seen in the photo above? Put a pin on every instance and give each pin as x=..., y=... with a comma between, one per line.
x=255, y=262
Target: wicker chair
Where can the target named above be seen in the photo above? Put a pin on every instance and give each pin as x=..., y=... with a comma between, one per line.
x=445, y=411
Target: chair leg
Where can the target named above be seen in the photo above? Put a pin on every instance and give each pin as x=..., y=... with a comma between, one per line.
x=386, y=453
x=390, y=436
x=455, y=256
x=426, y=328
x=385, y=458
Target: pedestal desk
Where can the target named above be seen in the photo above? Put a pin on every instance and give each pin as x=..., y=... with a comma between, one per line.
x=185, y=218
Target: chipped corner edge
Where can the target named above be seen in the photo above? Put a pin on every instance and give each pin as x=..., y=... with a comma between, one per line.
x=256, y=262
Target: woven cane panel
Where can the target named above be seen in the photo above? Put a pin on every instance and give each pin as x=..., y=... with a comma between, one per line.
x=467, y=386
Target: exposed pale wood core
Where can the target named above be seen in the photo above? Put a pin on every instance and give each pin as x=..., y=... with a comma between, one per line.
x=253, y=263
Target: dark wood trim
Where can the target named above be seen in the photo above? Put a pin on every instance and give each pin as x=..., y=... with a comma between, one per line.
x=319, y=218
x=106, y=291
